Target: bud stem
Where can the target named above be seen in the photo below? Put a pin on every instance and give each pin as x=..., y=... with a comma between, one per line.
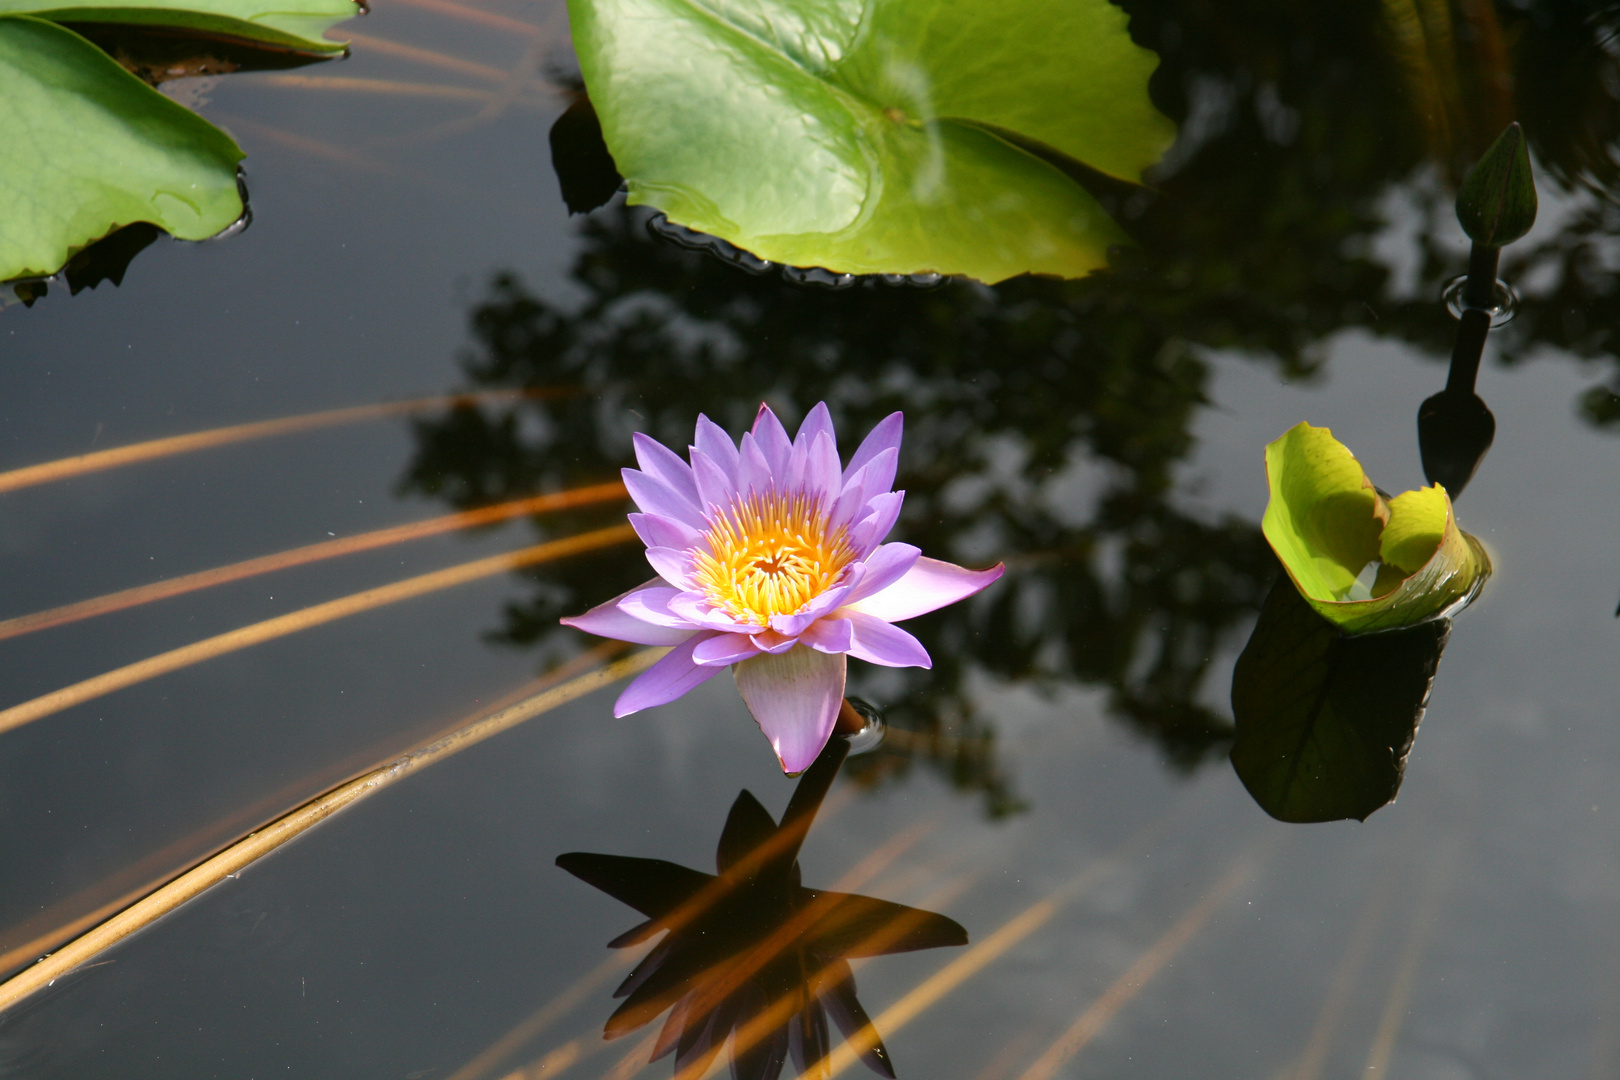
x=1470, y=346
x=1480, y=291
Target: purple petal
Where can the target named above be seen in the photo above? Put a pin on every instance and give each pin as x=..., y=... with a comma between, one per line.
x=793, y=625
x=772, y=642
x=795, y=698
x=662, y=463
x=829, y=636
x=674, y=565
x=792, y=478
x=821, y=478
x=869, y=531
x=928, y=585
x=651, y=605
x=873, y=479
x=724, y=649
x=816, y=422
x=655, y=497
x=717, y=489
x=657, y=531
x=696, y=609
x=712, y=439
x=883, y=568
x=610, y=621
x=666, y=680
x=772, y=438
x=886, y=436
x=754, y=473
x=877, y=642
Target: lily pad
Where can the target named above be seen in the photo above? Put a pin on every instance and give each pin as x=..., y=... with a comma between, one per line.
x=1364, y=562
x=90, y=148
x=876, y=136
x=1325, y=720
x=296, y=25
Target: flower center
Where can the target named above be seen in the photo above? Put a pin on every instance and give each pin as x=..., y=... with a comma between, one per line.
x=770, y=555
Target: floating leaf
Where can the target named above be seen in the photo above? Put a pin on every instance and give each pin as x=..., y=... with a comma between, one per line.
x=876, y=136
x=1362, y=562
x=1325, y=720
x=298, y=25
x=89, y=148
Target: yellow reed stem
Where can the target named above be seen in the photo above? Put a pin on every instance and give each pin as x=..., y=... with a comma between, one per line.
x=389, y=87
x=927, y=993
x=1405, y=980
x=338, y=155
x=474, y=15
x=134, y=453
x=164, y=864
x=1001, y=1065
x=734, y=972
x=634, y=1060
x=304, y=619
x=426, y=57
x=556, y=1062
x=1140, y=973
x=1342, y=989
x=781, y=1011
x=563, y=1003
x=256, y=845
x=301, y=556
x=952, y=975
x=542, y=1018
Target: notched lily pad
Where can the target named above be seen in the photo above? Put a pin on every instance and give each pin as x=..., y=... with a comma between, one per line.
x=1363, y=562
x=866, y=136
x=294, y=25
x=1325, y=720
x=90, y=148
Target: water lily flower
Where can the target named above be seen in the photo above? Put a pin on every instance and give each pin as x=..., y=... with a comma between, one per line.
x=771, y=561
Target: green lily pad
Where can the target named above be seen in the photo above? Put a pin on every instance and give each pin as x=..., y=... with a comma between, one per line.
x=90, y=148
x=296, y=25
x=1363, y=562
x=876, y=136
x=1325, y=720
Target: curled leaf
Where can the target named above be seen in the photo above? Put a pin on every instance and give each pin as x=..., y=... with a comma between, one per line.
x=1362, y=562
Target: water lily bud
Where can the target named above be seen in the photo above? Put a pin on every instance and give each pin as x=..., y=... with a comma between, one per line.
x=1497, y=201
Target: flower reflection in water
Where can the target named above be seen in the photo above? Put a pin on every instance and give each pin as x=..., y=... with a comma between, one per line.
x=751, y=955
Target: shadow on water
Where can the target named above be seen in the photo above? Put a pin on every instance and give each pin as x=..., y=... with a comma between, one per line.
x=751, y=955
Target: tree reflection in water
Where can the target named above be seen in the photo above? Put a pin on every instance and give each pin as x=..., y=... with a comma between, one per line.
x=1034, y=432
x=1046, y=419
x=751, y=956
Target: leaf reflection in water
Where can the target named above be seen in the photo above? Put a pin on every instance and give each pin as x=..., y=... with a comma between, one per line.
x=751, y=955
x=1325, y=719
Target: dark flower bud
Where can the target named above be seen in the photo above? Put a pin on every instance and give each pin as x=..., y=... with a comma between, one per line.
x=1497, y=201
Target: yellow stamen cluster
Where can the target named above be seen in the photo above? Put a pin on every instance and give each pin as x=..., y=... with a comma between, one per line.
x=770, y=555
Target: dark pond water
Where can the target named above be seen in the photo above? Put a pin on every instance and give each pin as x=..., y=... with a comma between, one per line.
x=1058, y=785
